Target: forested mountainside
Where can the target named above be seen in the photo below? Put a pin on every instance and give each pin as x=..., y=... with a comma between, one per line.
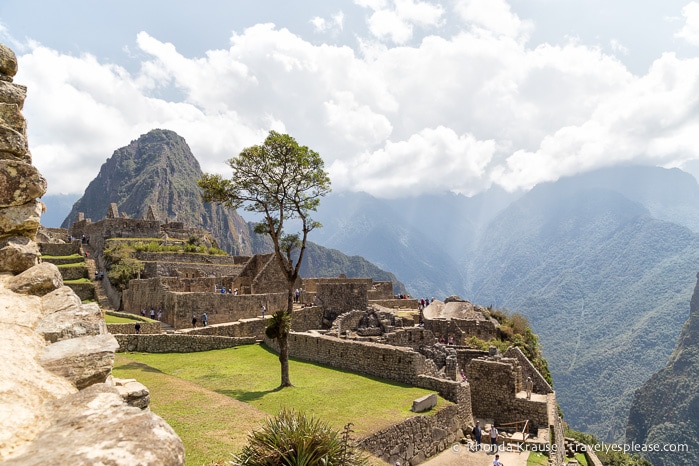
x=665, y=410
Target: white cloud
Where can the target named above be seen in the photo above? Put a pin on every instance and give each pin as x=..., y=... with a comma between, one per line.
x=395, y=20
x=455, y=112
x=334, y=24
x=690, y=30
x=494, y=16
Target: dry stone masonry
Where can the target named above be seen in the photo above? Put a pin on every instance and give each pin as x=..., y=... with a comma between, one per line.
x=58, y=402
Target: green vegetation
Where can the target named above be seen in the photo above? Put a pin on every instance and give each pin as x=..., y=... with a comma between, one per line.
x=192, y=246
x=294, y=439
x=119, y=320
x=611, y=458
x=72, y=264
x=76, y=281
x=515, y=330
x=72, y=256
x=250, y=374
x=537, y=459
x=121, y=265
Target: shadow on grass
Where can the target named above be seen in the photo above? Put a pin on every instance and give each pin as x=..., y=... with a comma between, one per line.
x=246, y=396
x=138, y=366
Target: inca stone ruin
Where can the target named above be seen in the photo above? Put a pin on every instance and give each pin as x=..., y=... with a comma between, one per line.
x=59, y=392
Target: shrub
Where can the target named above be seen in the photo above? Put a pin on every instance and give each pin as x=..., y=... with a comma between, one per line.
x=295, y=439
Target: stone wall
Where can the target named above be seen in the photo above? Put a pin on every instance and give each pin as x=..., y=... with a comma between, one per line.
x=60, y=249
x=418, y=438
x=85, y=291
x=410, y=336
x=528, y=370
x=73, y=272
x=247, y=328
x=461, y=329
x=494, y=387
x=178, y=307
x=307, y=318
x=147, y=328
x=381, y=290
x=338, y=297
x=385, y=361
x=178, y=343
x=392, y=303
x=102, y=230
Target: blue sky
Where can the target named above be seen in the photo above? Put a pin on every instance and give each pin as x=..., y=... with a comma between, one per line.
x=400, y=97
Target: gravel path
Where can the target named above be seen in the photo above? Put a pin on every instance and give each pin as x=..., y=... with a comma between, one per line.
x=460, y=456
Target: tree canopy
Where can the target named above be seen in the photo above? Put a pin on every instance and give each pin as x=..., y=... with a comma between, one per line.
x=283, y=181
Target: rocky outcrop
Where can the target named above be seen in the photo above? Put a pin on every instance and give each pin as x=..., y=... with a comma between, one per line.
x=58, y=404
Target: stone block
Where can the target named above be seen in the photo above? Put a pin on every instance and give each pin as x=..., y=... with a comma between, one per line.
x=20, y=183
x=70, y=320
x=84, y=361
x=22, y=220
x=11, y=116
x=133, y=393
x=8, y=61
x=18, y=254
x=39, y=280
x=13, y=142
x=95, y=426
x=424, y=403
x=11, y=93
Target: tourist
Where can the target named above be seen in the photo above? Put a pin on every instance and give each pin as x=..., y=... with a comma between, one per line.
x=478, y=434
x=101, y=275
x=138, y=328
x=204, y=319
x=264, y=309
x=152, y=313
x=497, y=462
x=160, y=314
x=194, y=320
x=528, y=385
x=143, y=312
x=96, y=275
x=235, y=292
x=297, y=294
x=493, y=436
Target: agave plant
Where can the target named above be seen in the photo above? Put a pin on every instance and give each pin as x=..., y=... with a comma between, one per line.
x=295, y=439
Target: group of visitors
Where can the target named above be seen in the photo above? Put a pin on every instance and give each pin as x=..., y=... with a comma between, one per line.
x=223, y=290
x=99, y=275
x=152, y=314
x=204, y=320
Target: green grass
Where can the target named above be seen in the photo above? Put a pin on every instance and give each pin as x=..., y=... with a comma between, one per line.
x=72, y=256
x=78, y=280
x=537, y=459
x=72, y=264
x=191, y=391
x=119, y=320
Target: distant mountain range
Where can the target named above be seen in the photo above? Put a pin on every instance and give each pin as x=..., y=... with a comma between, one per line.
x=601, y=265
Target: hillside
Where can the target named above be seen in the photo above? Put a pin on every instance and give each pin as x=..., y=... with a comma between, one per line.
x=601, y=282
x=159, y=169
x=665, y=410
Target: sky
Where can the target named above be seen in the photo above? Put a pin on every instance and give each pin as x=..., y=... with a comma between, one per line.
x=399, y=97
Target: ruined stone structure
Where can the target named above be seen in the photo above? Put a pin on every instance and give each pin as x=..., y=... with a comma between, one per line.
x=59, y=403
x=456, y=320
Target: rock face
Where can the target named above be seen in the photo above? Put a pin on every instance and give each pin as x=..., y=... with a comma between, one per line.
x=57, y=402
x=665, y=410
x=159, y=170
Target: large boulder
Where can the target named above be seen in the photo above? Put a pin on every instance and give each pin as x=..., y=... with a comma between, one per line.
x=8, y=61
x=39, y=280
x=17, y=254
x=20, y=183
x=84, y=361
x=69, y=318
x=21, y=220
x=94, y=426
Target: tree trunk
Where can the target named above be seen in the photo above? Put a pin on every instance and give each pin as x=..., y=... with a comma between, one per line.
x=284, y=360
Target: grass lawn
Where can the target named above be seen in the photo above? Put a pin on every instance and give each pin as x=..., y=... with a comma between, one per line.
x=119, y=320
x=537, y=459
x=200, y=395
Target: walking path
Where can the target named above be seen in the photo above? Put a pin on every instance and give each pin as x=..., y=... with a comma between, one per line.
x=459, y=455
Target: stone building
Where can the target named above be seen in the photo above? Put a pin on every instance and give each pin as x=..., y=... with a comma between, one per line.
x=455, y=320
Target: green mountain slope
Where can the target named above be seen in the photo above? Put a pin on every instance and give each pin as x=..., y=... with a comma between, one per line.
x=601, y=282
x=665, y=410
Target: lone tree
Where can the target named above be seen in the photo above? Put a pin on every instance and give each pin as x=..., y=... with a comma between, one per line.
x=282, y=181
